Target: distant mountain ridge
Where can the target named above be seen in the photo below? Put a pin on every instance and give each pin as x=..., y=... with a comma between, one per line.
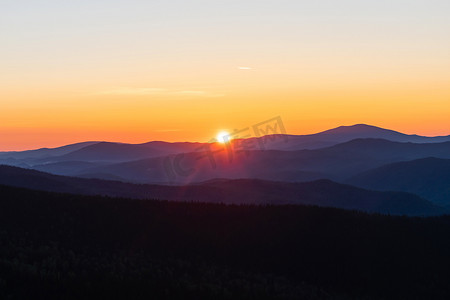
x=45, y=152
x=344, y=134
x=335, y=154
x=325, y=138
x=105, y=151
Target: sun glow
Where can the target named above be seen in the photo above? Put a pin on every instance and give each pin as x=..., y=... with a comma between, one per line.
x=223, y=137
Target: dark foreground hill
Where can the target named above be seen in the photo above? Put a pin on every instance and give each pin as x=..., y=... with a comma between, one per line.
x=238, y=191
x=59, y=246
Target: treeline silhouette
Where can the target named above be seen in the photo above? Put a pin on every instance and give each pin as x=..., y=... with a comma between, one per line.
x=63, y=246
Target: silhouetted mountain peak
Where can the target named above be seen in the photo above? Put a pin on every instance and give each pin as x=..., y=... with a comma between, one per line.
x=361, y=129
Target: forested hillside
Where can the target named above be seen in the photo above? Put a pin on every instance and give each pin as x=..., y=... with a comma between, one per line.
x=61, y=246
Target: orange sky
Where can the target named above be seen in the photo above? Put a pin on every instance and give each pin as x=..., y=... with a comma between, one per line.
x=141, y=72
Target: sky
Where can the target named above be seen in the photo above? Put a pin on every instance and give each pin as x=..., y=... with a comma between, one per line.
x=136, y=71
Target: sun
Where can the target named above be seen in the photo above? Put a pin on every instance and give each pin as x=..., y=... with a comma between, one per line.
x=223, y=137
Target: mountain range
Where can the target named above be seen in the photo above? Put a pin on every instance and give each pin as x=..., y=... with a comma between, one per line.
x=115, y=151
x=360, y=155
x=339, y=162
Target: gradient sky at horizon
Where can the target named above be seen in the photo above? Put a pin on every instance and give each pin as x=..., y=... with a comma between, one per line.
x=134, y=71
